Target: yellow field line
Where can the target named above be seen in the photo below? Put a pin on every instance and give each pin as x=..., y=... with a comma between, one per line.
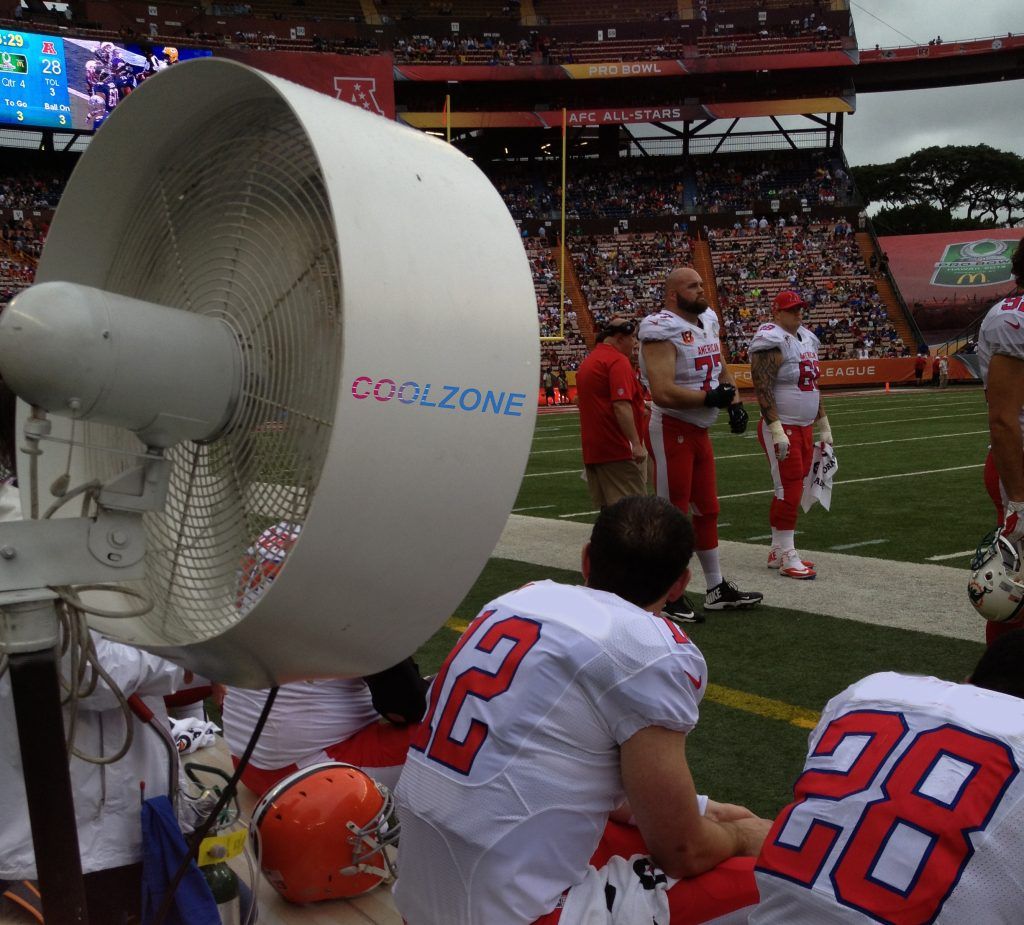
x=762, y=706
x=727, y=697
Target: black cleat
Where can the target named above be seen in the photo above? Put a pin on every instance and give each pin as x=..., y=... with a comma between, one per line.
x=681, y=611
x=726, y=596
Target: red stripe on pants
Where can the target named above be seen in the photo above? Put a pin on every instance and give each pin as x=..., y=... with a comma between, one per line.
x=789, y=473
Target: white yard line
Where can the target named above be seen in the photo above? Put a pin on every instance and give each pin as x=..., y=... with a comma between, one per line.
x=841, y=446
x=952, y=555
x=873, y=478
x=855, y=545
x=923, y=597
x=536, y=507
x=576, y=471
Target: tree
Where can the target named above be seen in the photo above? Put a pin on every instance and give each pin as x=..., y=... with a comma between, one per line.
x=972, y=186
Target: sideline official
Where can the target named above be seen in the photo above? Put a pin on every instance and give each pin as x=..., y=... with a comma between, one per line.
x=612, y=415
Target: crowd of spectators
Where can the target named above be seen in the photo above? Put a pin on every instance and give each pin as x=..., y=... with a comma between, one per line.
x=819, y=260
x=735, y=182
x=673, y=186
x=624, y=274
x=486, y=49
x=809, y=33
x=21, y=243
x=569, y=353
x=30, y=193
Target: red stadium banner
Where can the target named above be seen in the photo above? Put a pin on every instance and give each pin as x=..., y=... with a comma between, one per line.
x=837, y=374
x=362, y=80
x=952, y=267
x=609, y=116
x=473, y=72
x=603, y=70
x=788, y=61
x=944, y=50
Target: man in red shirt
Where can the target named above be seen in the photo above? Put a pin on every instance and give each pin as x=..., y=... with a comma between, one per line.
x=612, y=413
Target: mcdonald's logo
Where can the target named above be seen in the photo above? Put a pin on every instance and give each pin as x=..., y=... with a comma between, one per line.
x=972, y=279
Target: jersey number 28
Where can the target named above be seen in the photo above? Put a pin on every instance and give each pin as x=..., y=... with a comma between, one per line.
x=912, y=815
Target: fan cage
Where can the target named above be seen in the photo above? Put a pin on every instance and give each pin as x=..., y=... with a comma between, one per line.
x=237, y=226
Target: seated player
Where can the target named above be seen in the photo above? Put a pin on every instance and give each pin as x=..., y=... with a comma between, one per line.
x=559, y=707
x=911, y=804
x=322, y=720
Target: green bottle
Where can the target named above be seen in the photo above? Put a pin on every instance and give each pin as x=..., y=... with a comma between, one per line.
x=223, y=883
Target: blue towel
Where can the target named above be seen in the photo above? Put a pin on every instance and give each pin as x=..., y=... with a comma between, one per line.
x=163, y=847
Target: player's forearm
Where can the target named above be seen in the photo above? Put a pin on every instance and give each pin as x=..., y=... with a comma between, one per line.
x=763, y=371
x=670, y=395
x=711, y=843
x=1008, y=451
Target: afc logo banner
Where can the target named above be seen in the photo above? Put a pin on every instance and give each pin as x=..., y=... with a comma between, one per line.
x=359, y=91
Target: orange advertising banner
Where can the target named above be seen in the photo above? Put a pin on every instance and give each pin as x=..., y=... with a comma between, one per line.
x=837, y=374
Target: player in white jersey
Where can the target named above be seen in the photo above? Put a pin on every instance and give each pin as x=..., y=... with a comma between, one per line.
x=784, y=367
x=681, y=363
x=910, y=808
x=1001, y=355
x=558, y=704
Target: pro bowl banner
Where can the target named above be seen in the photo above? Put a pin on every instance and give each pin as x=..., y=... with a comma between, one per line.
x=953, y=266
x=363, y=80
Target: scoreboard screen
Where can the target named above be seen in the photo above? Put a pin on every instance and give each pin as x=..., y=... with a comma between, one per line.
x=72, y=84
x=33, y=81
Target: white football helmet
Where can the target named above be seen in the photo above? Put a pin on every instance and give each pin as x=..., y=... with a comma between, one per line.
x=996, y=588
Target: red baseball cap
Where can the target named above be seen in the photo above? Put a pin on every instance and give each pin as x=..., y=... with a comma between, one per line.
x=788, y=300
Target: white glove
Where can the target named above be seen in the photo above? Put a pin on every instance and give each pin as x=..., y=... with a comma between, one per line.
x=824, y=431
x=780, y=440
x=1013, y=521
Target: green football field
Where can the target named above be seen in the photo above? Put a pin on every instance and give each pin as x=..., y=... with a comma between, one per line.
x=909, y=489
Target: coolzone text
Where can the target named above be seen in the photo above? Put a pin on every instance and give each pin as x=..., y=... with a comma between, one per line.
x=442, y=397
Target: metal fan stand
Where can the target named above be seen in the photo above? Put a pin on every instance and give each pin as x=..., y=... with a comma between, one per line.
x=30, y=636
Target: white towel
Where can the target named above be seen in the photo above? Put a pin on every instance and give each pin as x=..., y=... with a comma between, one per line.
x=818, y=482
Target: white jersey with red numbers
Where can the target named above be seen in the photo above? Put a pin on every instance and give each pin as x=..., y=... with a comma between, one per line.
x=796, y=386
x=1002, y=331
x=910, y=810
x=508, y=785
x=698, y=358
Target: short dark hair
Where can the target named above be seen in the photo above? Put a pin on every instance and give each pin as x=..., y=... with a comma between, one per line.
x=1017, y=263
x=1001, y=668
x=616, y=326
x=639, y=547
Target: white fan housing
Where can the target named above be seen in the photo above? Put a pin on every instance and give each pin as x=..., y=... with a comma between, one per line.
x=384, y=325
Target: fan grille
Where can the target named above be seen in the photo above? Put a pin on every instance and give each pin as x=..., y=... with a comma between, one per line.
x=238, y=227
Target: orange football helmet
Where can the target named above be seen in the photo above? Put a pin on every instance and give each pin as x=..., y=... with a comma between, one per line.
x=321, y=833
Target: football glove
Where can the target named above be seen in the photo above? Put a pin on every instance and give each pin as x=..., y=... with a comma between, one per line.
x=738, y=418
x=824, y=431
x=720, y=397
x=780, y=440
x=1013, y=521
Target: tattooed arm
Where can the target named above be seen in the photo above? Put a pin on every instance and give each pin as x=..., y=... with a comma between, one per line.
x=764, y=369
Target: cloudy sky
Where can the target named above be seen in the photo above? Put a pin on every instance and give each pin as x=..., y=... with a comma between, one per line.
x=889, y=125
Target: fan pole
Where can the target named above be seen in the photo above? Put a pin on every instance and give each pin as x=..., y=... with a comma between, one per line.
x=44, y=763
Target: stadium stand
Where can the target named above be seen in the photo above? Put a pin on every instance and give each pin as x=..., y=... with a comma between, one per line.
x=821, y=261
x=625, y=273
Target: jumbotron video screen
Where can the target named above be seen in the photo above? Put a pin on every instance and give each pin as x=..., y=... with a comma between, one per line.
x=59, y=83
